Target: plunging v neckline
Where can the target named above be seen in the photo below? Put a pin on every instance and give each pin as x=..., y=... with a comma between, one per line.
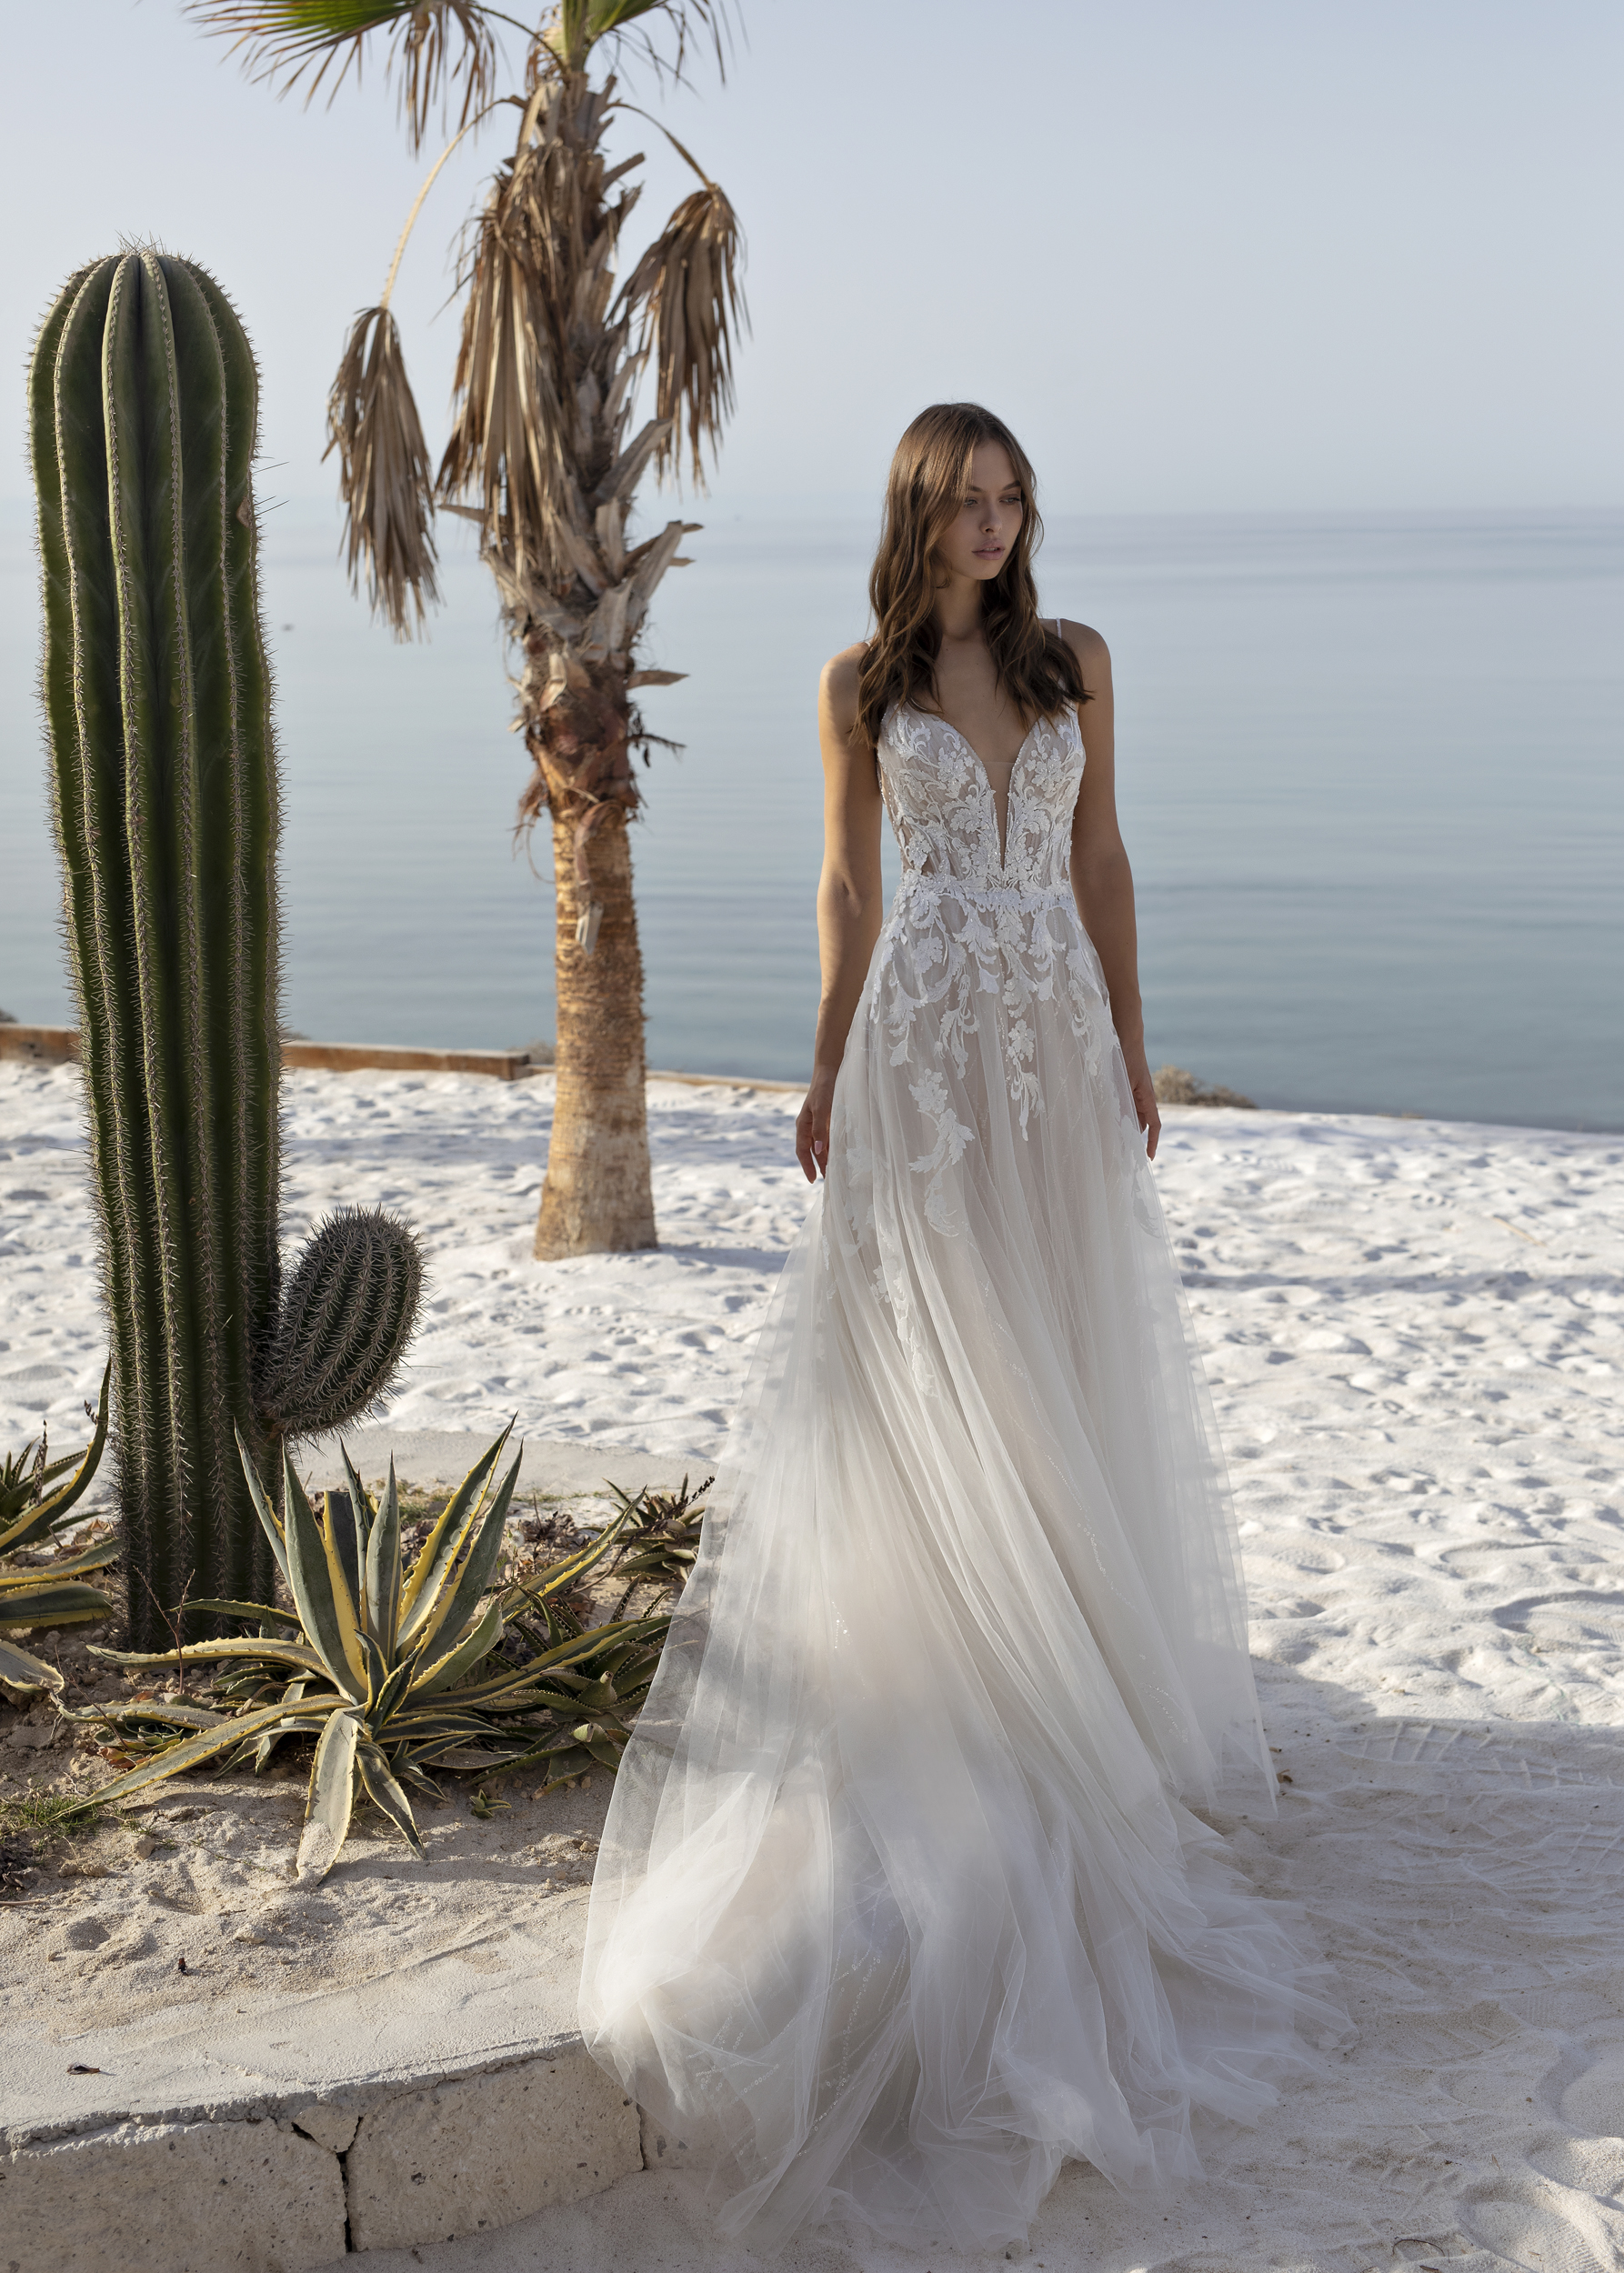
x=1003, y=829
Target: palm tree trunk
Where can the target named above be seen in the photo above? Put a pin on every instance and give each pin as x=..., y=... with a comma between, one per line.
x=598, y=1194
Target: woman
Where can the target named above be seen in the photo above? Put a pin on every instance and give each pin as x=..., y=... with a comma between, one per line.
x=898, y=1905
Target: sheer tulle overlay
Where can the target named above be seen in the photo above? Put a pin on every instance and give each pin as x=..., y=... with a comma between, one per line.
x=898, y=1905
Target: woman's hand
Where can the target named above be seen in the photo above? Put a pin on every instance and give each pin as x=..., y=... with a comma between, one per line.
x=1144, y=1097
x=812, y=1127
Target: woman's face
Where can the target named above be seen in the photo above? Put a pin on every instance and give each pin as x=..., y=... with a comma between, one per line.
x=981, y=534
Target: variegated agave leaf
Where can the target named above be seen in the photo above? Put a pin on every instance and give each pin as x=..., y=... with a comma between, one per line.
x=29, y=1513
x=49, y=1594
x=445, y=1541
x=332, y=1795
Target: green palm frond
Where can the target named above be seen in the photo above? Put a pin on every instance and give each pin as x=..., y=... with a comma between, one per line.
x=435, y=46
x=577, y=26
x=391, y=1669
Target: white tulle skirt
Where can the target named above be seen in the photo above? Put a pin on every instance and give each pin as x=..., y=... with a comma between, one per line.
x=897, y=1907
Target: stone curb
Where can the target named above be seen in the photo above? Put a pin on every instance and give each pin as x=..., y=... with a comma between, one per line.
x=306, y=2181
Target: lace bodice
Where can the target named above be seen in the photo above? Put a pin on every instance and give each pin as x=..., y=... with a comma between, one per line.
x=979, y=953
x=941, y=803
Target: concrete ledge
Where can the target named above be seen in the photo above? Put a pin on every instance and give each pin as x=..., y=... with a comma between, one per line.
x=59, y=1045
x=40, y=1045
x=444, y=2093
x=486, y=2152
x=460, y=2157
x=348, y=1057
x=173, y=2197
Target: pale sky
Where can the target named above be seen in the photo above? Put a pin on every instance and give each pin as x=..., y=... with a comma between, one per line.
x=1202, y=254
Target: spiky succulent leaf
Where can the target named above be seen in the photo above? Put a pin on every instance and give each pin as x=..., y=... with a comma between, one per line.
x=419, y=1703
x=21, y=1669
x=24, y=1478
x=338, y=1544
x=420, y=1592
x=269, y=1521
x=310, y=1582
x=158, y=1712
x=174, y=1758
x=383, y=1564
x=477, y=1642
x=96, y=1556
x=331, y=1795
x=24, y=1526
x=386, y=1793
x=274, y=1650
x=381, y=1710
x=344, y=1523
x=461, y=1603
x=251, y=1611
x=47, y=1603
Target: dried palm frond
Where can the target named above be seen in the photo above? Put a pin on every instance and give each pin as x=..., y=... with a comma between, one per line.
x=692, y=308
x=539, y=348
x=385, y=476
x=435, y=44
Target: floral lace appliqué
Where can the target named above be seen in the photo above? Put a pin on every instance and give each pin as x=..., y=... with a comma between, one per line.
x=952, y=1134
x=966, y=924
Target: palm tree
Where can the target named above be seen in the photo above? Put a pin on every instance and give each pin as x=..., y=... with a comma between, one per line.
x=552, y=348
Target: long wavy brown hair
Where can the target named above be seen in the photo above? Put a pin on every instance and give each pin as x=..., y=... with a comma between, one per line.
x=930, y=474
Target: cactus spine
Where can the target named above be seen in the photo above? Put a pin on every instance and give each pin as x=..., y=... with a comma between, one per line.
x=143, y=400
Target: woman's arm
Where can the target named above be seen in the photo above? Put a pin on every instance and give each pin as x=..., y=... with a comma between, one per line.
x=1100, y=876
x=848, y=893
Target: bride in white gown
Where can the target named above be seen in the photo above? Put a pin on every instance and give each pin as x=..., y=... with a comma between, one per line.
x=898, y=1905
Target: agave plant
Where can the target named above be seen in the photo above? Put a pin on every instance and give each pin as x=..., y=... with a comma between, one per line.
x=660, y=1534
x=52, y=1594
x=388, y=1667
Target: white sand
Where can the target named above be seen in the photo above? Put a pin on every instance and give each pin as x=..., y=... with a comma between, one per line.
x=1415, y=1332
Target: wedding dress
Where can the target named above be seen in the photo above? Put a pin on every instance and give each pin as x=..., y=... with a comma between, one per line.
x=898, y=1905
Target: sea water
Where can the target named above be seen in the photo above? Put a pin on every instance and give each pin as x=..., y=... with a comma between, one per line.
x=1369, y=772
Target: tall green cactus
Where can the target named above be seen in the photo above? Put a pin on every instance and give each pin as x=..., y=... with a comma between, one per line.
x=143, y=402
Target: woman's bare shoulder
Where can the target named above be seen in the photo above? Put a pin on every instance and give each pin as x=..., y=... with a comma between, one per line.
x=1084, y=641
x=841, y=672
x=837, y=690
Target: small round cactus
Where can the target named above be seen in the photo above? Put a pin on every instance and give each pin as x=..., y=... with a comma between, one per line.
x=348, y=1308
